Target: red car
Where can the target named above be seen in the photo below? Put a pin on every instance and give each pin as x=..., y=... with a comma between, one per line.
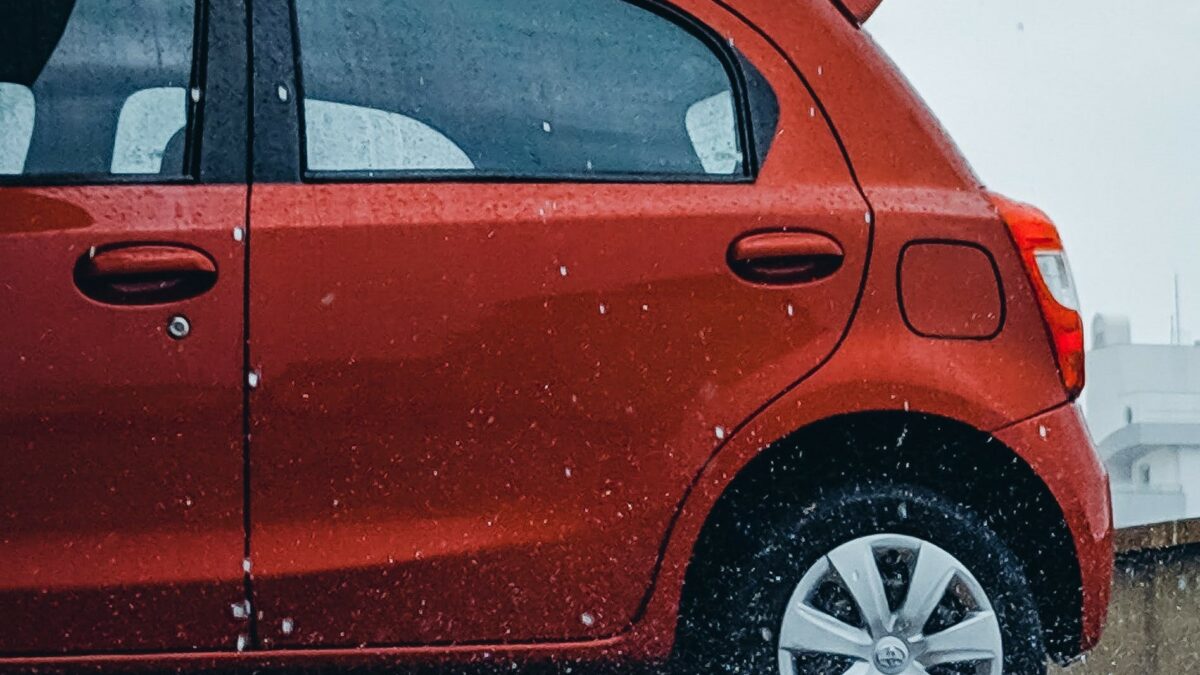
x=512, y=332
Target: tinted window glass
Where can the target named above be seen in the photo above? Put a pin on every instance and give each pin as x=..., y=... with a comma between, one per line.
x=512, y=87
x=94, y=87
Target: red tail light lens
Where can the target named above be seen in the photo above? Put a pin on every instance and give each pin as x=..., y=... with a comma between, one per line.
x=1046, y=262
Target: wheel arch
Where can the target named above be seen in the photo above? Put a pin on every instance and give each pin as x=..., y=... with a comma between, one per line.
x=950, y=457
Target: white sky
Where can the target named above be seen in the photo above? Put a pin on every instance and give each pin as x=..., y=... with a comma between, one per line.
x=1089, y=109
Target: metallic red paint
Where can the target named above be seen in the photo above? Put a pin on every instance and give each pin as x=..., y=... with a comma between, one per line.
x=410, y=483
x=1056, y=445
x=534, y=376
x=121, y=499
x=861, y=10
x=928, y=268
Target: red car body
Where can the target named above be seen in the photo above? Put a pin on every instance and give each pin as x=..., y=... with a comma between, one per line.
x=489, y=421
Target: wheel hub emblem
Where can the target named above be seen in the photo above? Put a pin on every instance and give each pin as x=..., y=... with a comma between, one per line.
x=891, y=656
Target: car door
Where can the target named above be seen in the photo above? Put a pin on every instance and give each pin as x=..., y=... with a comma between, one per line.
x=122, y=212
x=519, y=267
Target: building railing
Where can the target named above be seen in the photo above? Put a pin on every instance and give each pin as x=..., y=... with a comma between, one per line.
x=1158, y=536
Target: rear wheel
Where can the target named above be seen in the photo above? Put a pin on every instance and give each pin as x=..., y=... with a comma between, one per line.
x=875, y=580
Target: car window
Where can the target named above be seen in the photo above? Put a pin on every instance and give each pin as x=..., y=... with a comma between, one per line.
x=148, y=120
x=96, y=87
x=343, y=137
x=17, y=114
x=514, y=88
x=709, y=122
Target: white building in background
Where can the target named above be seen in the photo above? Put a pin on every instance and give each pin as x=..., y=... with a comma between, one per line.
x=1142, y=404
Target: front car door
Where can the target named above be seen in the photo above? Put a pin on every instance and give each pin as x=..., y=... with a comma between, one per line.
x=122, y=203
x=494, y=309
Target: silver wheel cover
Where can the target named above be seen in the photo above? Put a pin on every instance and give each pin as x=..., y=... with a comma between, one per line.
x=892, y=642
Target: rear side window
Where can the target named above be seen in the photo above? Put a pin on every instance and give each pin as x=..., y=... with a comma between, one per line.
x=95, y=88
x=514, y=88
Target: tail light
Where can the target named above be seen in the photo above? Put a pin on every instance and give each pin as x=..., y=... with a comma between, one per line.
x=1046, y=262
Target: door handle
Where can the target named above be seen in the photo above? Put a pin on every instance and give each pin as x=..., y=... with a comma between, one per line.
x=785, y=257
x=144, y=274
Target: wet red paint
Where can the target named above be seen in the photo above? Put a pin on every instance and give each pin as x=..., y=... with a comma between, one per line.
x=490, y=416
x=861, y=10
x=121, y=497
x=927, y=268
x=1072, y=474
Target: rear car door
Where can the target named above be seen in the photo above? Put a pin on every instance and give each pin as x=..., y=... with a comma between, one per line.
x=518, y=268
x=122, y=210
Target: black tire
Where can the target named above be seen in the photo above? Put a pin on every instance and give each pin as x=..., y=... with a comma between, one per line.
x=735, y=596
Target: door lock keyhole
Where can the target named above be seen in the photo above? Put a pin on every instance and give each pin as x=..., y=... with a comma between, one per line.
x=178, y=327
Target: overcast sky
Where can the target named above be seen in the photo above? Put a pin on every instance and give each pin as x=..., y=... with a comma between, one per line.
x=1089, y=109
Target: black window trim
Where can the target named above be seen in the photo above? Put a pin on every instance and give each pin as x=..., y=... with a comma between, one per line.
x=225, y=123
x=275, y=131
x=730, y=60
x=206, y=155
